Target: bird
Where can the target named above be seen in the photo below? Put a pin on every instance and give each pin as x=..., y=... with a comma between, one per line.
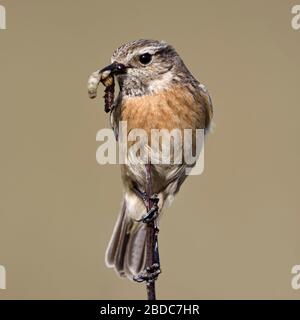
x=156, y=91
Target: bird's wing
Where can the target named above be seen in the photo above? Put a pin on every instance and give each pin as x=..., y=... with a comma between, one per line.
x=208, y=107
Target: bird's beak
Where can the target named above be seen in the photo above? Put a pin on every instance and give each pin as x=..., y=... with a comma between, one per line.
x=105, y=76
x=114, y=69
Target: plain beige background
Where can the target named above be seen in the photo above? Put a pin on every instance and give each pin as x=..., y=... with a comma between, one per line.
x=232, y=232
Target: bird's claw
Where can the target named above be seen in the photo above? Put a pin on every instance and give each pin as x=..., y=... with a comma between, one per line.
x=154, y=198
x=153, y=212
x=149, y=275
x=150, y=215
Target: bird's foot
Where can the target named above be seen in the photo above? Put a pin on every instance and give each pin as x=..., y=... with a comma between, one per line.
x=153, y=212
x=149, y=275
x=144, y=197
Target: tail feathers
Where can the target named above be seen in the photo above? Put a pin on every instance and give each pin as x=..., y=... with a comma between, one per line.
x=127, y=248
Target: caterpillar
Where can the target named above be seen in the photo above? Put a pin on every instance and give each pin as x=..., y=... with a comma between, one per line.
x=108, y=81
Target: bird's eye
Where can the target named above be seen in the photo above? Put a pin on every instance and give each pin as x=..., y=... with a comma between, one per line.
x=145, y=58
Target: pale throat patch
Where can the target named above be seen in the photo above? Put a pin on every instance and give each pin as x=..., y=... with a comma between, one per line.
x=160, y=84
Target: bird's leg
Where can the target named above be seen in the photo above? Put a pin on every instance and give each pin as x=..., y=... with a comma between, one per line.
x=152, y=258
x=155, y=268
x=156, y=251
x=142, y=195
x=152, y=272
x=152, y=213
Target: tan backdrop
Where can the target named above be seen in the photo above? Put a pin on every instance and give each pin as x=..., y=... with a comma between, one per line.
x=232, y=232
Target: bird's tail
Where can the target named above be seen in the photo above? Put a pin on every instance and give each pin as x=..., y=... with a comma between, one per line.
x=126, y=251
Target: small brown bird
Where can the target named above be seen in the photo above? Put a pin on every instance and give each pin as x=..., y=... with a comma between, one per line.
x=157, y=91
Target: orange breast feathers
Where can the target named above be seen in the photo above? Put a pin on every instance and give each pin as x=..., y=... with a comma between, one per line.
x=173, y=108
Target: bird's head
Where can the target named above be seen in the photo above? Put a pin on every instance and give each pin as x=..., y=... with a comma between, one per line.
x=145, y=66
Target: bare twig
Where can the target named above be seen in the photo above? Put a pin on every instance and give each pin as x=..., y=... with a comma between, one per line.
x=151, y=234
